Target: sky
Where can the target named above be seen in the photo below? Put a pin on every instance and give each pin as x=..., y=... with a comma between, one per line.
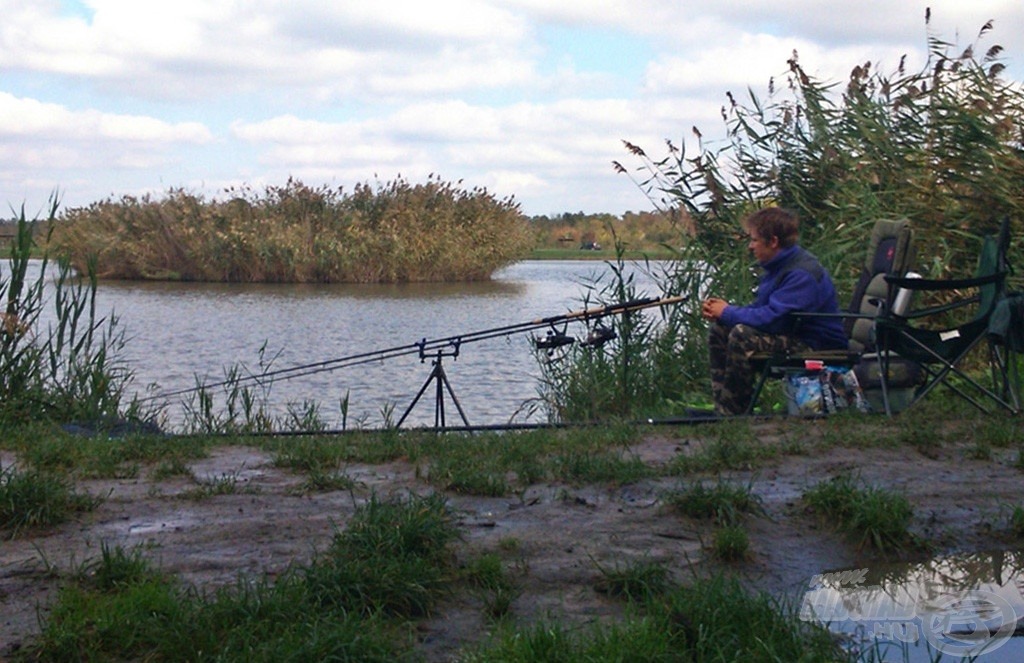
x=526, y=98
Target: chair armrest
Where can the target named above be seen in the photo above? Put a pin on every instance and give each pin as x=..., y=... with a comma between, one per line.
x=943, y=284
x=844, y=315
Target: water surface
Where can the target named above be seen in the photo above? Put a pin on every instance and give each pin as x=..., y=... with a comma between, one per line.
x=957, y=606
x=180, y=333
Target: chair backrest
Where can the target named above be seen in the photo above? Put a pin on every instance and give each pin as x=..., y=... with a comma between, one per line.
x=993, y=260
x=891, y=251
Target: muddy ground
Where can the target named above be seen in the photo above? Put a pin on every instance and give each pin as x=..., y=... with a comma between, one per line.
x=562, y=533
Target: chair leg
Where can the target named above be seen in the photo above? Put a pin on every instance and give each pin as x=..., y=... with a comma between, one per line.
x=1005, y=376
x=883, y=380
x=936, y=377
x=758, y=387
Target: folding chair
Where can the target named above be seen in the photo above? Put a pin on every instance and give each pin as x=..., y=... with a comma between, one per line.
x=940, y=337
x=890, y=253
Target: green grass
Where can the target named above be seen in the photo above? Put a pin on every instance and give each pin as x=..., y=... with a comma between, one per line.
x=100, y=457
x=651, y=253
x=320, y=481
x=725, y=449
x=172, y=467
x=710, y=620
x=730, y=543
x=492, y=583
x=391, y=564
x=497, y=464
x=724, y=503
x=873, y=517
x=224, y=484
x=636, y=581
x=1014, y=521
x=601, y=467
x=397, y=561
x=33, y=498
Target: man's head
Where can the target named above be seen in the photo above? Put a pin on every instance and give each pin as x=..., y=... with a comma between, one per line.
x=770, y=230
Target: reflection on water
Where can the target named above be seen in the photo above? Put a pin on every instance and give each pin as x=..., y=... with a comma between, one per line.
x=181, y=332
x=960, y=606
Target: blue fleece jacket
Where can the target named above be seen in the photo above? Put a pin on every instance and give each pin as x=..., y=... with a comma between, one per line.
x=793, y=280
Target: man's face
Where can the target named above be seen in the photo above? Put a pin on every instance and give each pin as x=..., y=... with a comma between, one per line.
x=763, y=250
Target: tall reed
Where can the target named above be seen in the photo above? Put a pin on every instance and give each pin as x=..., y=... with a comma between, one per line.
x=941, y=146
x=638, y=372
x=70, y=370
x=391, y=232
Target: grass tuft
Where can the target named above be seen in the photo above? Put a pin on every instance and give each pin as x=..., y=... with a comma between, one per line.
x=36, y=498
x=723, y=503
x=873, y=517
x=636, y=582
x=730, y=543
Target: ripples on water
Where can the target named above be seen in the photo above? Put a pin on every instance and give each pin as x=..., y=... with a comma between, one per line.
x=177, y=332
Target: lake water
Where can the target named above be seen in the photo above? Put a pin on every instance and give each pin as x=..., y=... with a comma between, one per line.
x=178, y=333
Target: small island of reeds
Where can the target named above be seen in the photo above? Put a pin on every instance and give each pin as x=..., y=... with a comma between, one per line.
x=384, y=233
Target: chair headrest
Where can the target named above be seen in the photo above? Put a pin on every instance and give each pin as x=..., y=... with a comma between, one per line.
x=894, y=237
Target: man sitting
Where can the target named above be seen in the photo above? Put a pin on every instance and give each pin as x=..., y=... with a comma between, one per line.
x=793, y=281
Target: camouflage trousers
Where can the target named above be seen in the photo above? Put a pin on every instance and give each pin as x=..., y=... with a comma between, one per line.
x=732, y=375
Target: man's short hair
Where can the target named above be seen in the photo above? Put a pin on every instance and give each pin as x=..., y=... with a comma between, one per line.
x=774, y=222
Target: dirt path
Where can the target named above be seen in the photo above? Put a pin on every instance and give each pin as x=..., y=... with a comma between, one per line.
x=559, y=534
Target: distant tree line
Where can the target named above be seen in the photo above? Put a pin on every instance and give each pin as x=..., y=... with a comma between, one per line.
x=635, y=230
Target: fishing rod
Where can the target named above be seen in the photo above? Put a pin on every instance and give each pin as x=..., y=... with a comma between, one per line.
x=450, y=345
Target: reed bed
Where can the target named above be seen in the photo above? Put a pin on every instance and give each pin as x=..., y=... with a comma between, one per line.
x=390, y=232
x=70, y=369
x=941, y=146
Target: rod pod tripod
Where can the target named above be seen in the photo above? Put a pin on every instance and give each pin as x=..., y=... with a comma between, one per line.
x=441, y=384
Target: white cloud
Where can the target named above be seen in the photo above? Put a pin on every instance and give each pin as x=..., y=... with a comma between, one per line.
x=45, y=146
x=192, y=49
x=129, y=95
x=32, y=118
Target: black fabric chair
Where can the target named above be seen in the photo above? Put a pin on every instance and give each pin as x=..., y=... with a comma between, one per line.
x=890, y=253
x=940, y=336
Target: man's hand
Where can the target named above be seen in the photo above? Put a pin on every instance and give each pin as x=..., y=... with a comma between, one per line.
x=712, y=308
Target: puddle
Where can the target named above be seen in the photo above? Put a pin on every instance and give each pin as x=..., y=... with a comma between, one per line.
x=173, y=523
x=959, y=606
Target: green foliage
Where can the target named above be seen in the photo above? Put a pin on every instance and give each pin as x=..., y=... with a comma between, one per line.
x=392, y=232
x=871, y=516
x=576, y=235
x=637, y=581
x=493, y=465
x=730, y=543
x=102, y=457
x=213, y=486
x=392, y=562
x=711, y=620
x=723, y=502
x=69, y=371
x=585, y=467
x=392, y=559
x=941, y=146
x=1015, y=522
x=729, y=446
x=117, y=568
x=636, y=373
x=493, y=584
x=37, y=498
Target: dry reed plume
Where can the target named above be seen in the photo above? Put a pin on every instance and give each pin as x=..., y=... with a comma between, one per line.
x=391, y=232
